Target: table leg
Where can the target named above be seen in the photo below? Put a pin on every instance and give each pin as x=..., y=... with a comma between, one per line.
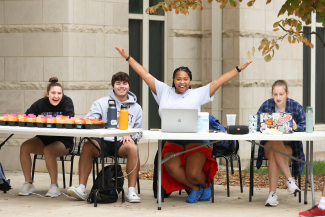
x=102, y=158
x=159, y=174
x=312, y=172
x=306, y=180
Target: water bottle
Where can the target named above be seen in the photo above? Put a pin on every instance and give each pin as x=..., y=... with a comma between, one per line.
x=309, y=120
x=124, y=118
x=111, y=115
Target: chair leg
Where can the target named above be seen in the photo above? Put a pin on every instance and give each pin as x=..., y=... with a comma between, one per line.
x=240, y=177
x=94, y=170
x=212, y=190
x=295, y=194
x=34, y=163
x=299, y=180
x=227, y=169
x=63, y=172
x=138, y=183
x=71, y=170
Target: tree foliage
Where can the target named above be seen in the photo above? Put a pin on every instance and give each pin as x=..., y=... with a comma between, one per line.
x=298, y=11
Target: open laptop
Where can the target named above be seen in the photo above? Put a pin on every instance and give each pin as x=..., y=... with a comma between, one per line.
x=279, y=121
x=179, y=120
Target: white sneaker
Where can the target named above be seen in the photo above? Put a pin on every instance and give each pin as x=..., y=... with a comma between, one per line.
x=133, y=198
x=77, y=193
x=27, y=189
x=272, y=200
x=292, y=186
x=53, y=192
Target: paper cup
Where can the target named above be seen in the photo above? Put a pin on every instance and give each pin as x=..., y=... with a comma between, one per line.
x=231, y=119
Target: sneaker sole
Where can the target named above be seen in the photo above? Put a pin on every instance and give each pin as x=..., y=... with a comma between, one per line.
x=274, y=204
x=75, y=194
x=28, y=193
x=133, y=200
x=295, y=191
x=56, y=195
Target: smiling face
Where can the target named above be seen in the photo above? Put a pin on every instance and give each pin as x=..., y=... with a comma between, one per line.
x=182, y=82
x=280, y=96
x=121, y=89
x=55, y=95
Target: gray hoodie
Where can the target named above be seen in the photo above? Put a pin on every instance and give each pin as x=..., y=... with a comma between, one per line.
x=99, y=108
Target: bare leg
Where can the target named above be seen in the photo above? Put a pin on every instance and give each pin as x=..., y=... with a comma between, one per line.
x=51, y=152
x=131, y=152
x=277, y=162
x=176, y=170
x=193, y=168
x=31, y=146
x=85, y=161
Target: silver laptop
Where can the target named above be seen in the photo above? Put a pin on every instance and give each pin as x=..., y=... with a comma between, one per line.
x=179, y=120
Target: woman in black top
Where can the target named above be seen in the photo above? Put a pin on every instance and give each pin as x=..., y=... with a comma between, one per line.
x=54, y=103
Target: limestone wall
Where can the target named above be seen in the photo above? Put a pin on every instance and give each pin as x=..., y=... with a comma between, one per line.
x=72, y=40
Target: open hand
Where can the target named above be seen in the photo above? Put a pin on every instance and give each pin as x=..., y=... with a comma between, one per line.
x=126, y=139
x=122, y=52
x=243, y=66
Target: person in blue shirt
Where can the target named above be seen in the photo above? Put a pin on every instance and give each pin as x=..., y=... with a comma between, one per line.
x=280, y=102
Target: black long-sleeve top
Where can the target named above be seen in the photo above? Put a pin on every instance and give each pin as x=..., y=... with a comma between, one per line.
x=43, y=106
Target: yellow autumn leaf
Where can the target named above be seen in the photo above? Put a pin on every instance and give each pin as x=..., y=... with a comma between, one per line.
x=248, y=54
x=253, y=51
x=311, y=45
x=289, y=39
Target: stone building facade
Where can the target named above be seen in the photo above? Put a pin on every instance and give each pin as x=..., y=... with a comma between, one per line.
x=74, y=40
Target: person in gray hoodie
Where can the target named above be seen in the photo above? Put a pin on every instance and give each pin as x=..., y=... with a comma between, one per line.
x=126, y=146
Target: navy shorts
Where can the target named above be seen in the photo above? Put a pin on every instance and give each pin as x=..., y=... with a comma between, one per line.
x=67, y=141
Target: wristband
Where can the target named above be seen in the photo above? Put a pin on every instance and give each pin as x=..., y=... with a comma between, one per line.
x=127, y=59
x=295, y=128
x=238, y=70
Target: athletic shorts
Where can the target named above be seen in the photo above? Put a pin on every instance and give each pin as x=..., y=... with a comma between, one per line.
x=67, y=141
x=109, y=149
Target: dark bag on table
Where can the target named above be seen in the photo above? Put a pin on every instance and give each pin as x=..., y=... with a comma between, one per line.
x=224, y=147
x=107, y=196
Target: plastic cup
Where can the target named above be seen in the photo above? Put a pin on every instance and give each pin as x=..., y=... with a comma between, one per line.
x=231, y=119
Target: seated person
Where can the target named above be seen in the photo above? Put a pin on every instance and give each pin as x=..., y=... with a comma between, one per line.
x=278, y=104
x=194, y=169
x=126, y=145
x=54, y=103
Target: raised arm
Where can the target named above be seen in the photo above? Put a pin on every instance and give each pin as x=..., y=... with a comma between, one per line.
x=142, y=72
x=214, y=85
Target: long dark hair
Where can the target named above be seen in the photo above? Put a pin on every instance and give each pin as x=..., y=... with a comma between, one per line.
x=53, y=83
x=184, y=69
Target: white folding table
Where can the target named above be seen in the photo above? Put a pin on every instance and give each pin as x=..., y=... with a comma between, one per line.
x=296, y=136
x=75, y=133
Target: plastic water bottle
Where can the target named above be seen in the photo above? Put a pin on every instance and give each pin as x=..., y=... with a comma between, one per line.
x=203, y=122
x=111, y=115
x=124, y=118
x=309, y=120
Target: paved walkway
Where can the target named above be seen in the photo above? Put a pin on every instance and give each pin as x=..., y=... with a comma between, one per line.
x=235, y=205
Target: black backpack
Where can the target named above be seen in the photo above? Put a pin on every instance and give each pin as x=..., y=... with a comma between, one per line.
x=107, y=196
x=4, y=183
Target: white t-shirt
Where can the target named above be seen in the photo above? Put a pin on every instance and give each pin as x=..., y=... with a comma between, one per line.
x=192, y=99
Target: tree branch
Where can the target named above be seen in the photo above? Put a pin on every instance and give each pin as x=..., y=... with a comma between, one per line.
x=306, y=33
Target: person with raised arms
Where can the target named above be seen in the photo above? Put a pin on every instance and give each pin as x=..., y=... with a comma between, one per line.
x=194, y=169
